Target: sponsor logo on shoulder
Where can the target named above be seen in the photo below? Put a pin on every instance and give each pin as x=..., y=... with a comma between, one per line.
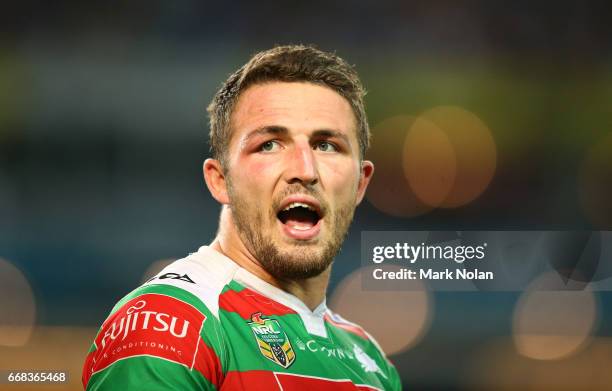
x=173, y=276
x=272, y=341
x=153, y=325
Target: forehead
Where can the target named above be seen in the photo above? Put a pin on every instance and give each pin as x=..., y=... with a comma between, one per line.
x=296, y=106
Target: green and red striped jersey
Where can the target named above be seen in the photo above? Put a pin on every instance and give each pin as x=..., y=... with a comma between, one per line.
x=205, y=323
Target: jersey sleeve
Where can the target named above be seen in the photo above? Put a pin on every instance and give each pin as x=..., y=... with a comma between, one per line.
x=159, y=337
x=394, y=382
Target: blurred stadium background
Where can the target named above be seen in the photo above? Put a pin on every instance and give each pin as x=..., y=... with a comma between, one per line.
x=507, y=104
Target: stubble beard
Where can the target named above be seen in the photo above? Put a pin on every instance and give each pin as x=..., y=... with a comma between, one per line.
x=305, y=259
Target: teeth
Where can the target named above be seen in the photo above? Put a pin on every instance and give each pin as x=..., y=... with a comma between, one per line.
x=298, y=204
x=301, y=227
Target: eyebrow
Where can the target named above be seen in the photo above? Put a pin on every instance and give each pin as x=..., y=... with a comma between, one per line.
x=273, y=129
x=331, y=133
x=281, y=130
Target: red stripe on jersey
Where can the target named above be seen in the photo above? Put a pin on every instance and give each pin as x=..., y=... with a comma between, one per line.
x=350, y=327
x=268, y=381
x=247, y=302
x=208, y=364
x=154, y=325
x=250, y=380
x=87, y=368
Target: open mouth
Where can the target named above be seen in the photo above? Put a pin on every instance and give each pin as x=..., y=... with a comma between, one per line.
x=299, y=216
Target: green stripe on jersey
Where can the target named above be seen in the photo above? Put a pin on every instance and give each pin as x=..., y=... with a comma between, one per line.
x=233, y=286
x=148, y=373
x=167, y=290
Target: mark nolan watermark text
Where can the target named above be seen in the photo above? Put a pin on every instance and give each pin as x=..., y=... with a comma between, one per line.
x=429, y=274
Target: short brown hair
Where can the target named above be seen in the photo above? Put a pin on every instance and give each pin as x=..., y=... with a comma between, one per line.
x=292, y=63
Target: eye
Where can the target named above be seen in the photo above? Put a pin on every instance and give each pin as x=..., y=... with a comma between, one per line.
x=269, y=146
x=326, y=146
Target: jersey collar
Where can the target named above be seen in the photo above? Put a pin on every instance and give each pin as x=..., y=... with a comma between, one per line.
x=313, y=320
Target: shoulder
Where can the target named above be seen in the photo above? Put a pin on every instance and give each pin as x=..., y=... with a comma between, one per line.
x=204, y=274
x=166, y=326
x=365, y=349
x=338, y=322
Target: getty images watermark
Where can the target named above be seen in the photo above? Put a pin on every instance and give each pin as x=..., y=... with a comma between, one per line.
x=485, y=260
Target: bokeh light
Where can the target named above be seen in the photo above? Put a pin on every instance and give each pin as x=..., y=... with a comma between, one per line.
x=50, y=348
x=397, y=319
x=389, y=191
x=475, y=152
x=552, y=323
x=17, y=304
x=497, y=366
x=429, y=162
x=446, y=157
x=155, y=268
x=596, y=184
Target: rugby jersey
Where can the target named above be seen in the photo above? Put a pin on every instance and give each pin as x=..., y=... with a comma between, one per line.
x=205, y=323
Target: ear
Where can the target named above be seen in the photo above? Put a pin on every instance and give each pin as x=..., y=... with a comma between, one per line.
x=367, y=170
x=215, y=180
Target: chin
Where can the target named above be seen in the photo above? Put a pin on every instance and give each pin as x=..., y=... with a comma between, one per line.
x=288, y=259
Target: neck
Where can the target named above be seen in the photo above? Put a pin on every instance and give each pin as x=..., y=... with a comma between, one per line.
x=311, y=291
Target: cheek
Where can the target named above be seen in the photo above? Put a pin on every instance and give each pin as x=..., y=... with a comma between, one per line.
x=254, y=175
x=253, y=170
x=342, y=178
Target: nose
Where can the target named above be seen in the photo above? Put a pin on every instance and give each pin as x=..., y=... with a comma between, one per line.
x=301, y=166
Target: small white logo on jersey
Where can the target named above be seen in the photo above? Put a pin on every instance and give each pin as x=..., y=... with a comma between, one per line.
x=138, y=306
x=367, y=363
x=300, y=344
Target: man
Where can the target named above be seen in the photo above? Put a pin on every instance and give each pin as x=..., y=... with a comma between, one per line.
x=288, y=137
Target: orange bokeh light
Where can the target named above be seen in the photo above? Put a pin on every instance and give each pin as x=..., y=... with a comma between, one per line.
x=429, y=162
x=552, y=324
x=474, y=148
x=18, y=306
x=389, y=191
x=398, y=319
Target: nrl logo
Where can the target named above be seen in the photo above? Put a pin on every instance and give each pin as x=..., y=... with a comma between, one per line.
x=272, y=341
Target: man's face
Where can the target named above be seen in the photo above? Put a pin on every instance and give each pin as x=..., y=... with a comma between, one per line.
x=294, y=176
